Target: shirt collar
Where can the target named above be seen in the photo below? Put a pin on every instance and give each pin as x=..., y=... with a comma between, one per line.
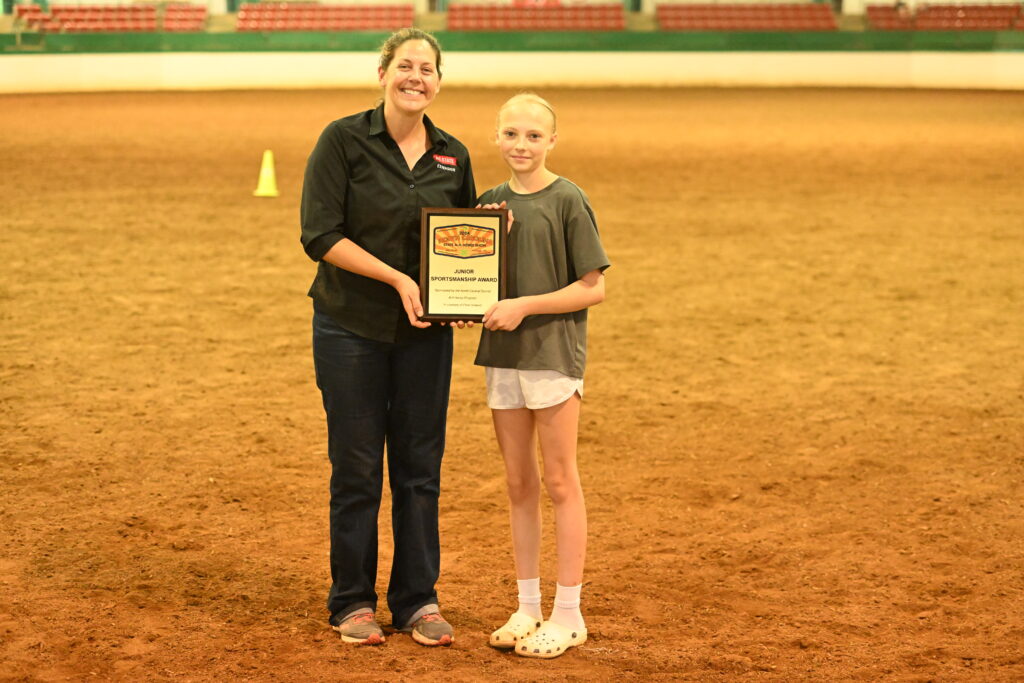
x=436, y=137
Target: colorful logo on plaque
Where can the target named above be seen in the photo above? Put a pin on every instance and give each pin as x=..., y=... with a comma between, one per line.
x=464, y=241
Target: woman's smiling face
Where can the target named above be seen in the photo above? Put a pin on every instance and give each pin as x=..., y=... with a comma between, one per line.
x=411, y=80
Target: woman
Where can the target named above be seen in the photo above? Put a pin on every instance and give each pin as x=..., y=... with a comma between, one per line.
x=384, y=375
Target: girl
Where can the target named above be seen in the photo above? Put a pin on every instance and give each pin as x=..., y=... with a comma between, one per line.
x=534, y=350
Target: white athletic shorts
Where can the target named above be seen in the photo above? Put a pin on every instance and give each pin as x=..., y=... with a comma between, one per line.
x=508, y=388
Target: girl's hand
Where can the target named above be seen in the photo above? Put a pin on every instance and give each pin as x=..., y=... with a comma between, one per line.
x=511, y=218
x=409, y=292
x=505, y=315
x=460, y=324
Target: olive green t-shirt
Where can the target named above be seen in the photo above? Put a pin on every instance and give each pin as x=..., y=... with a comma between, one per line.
x=553, y=242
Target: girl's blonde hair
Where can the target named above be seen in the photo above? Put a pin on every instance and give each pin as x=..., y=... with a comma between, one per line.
x=532, y=98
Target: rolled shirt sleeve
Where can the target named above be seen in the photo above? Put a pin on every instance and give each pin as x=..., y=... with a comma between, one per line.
x=322, y=211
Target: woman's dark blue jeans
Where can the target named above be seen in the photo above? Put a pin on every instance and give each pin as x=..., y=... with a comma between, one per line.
x=376, y=394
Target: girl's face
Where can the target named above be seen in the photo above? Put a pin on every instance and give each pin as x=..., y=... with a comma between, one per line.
x=411, y=81
x=525, y=136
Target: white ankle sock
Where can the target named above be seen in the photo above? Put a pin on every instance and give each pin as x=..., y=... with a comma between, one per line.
x=567, y=606
x=529, y=598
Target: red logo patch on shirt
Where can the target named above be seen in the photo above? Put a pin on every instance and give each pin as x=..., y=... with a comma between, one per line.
x=442, y=159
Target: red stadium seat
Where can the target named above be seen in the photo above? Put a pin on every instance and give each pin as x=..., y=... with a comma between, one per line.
x=106, y=18
x=888, y=18
x=183, y=18
x=745, y=17
x=536, y=16
x=30, y=15
x=295, y=16
x=23, y=10
x=966, y=17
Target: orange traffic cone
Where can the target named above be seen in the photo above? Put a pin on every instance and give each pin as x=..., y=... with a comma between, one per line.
x=267, y=186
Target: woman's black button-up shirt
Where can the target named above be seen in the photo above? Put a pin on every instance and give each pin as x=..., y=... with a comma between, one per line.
x=358, y=187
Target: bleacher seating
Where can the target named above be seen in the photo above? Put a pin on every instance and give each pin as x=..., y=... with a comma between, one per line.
x=102, y=18
x=966, y=17
x=113, y=18
x=546, y=16
x=303, y=16
x=889, y=18
x=519, y=15
x=946, y=18
x=184, y=18
x=746, y=17
x=30, y=14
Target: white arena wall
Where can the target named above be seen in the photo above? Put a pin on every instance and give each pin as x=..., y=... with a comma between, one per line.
x=235, y=70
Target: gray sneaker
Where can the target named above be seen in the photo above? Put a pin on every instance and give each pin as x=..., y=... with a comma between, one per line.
x=360, y=628
x=431, y=629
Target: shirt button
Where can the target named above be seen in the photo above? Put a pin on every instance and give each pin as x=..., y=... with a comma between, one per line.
x=412, y=186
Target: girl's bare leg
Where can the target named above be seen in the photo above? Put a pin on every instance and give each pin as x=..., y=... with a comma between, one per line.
x=515, y=429
x=557, y=427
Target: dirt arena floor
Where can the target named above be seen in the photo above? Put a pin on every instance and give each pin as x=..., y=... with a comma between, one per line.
x=802, y=444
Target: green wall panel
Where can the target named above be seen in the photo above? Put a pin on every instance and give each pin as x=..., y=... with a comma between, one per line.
x=832, y=41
